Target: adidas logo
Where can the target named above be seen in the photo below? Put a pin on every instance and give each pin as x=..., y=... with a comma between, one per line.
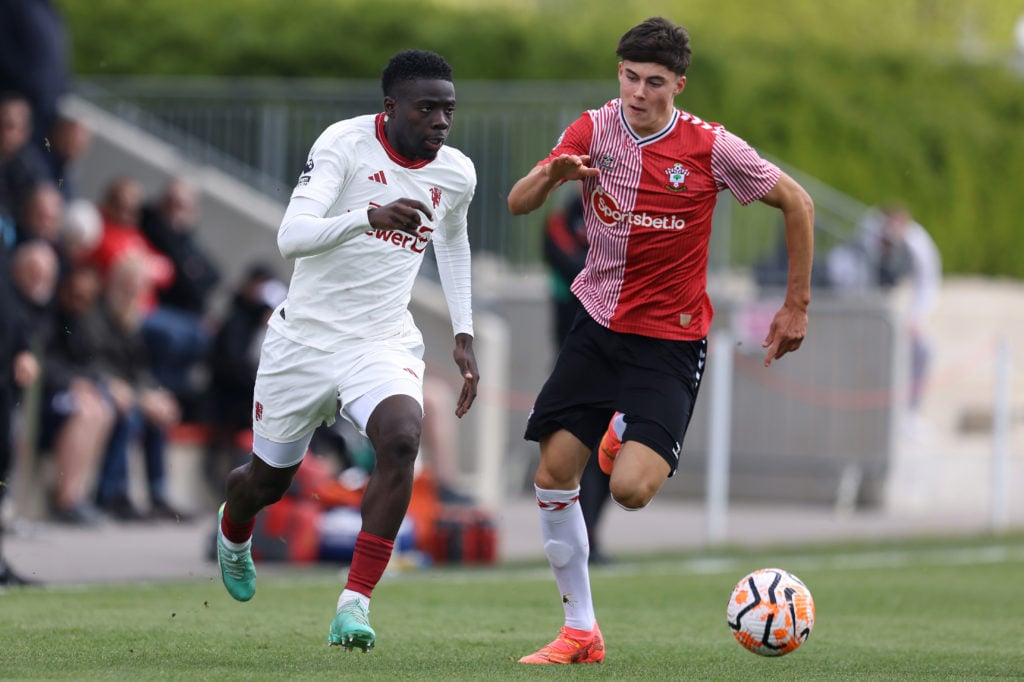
x=378, y=177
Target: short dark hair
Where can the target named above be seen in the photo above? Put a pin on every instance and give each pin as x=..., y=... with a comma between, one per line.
x=658, y=41
x=410, y=65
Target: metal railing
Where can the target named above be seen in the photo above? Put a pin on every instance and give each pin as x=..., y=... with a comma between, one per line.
x=260, y=131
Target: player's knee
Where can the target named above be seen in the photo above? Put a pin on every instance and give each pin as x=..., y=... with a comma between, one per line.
x=546, y=480
x=558, y=553
x=398, y=448
x=632, y=496
x=260, y=486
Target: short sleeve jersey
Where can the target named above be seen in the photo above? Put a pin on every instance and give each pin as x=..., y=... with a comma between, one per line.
x=648, y=216
x=362, y=287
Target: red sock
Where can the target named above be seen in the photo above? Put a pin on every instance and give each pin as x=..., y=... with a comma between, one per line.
x=369, y=560
x=234, y=531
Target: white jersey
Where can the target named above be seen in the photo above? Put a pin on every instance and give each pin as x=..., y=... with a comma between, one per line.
x=352, y=280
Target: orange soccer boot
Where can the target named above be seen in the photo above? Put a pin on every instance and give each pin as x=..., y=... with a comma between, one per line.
x=571, y=646
x=609, y=447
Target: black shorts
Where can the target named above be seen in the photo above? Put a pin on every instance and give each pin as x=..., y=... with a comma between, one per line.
x=653, y=382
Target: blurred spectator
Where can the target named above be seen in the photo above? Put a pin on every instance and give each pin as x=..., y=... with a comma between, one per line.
x=34, y=58
x=145, y=410
x=120, y=208
x=890, y=247
x=232, y=362
x=175, y=340
x=69, y=139
x=76, y=414
x=170, y=224
x=21, y=165
x=34, y=271
x=81, y=229
x=18, y=369
x=41, y=215
x=565, y=252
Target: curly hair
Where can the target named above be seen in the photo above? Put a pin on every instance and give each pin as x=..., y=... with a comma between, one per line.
x=411, y=65
x=658, y=41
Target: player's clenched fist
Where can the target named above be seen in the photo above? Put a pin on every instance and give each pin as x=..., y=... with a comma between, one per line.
x=403, y=215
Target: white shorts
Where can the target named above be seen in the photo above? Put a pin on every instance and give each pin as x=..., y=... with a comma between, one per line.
x=298, y=388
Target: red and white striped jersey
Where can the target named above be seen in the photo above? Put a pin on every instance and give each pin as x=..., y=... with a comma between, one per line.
x=648, y=217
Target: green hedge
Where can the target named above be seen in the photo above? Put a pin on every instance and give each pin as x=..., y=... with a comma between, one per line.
x=874, y=98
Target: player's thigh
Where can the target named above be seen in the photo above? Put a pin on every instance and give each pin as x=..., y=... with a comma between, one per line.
x=381, y=372
x=295, y=392
x=640, y=472
x=658, y=394
x=580, y=393
x=562, y=459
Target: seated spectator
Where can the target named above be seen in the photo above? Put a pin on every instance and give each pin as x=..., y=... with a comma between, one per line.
x=170, y=224
x=76, y=413
x=34, y=271
x=232, y=362
x=175, y=340
x=69, y=139
x=41, y=215
x=81, y=230
x=145, y=409
x=18, y=370
x=120, y=209
x=21, y=164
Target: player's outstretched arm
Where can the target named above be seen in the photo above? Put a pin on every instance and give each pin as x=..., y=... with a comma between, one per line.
x=465, y=359
x=533, y=190
x=789, y=326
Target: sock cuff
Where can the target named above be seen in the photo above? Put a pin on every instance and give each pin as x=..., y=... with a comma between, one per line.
x=239, y=533
x=556, y=500
x=369, y=560
x=371, y=541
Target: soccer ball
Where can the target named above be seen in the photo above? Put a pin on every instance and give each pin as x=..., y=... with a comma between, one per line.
x=771, y=612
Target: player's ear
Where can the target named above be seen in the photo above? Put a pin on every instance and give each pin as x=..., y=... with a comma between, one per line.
x=680, y=84
x=389, y=105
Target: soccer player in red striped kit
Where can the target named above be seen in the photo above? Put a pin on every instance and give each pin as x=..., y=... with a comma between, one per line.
x=651, y=175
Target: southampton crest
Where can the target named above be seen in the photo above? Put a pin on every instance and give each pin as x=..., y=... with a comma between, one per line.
x=676, y=178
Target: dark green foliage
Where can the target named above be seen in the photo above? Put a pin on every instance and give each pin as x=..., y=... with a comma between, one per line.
x=880, y=100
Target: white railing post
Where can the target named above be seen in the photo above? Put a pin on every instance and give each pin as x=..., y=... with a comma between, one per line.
x=720, y=357
x=999, y=512
x=493, y=413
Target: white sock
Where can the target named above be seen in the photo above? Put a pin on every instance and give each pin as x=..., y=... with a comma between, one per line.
x=234, y=546
x=349, y=595
x=567, y=549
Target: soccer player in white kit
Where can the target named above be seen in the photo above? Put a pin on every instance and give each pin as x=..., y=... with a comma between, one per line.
x=651, y=176
x=375, y=191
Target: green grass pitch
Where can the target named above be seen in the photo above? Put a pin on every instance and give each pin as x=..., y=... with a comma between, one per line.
x=929, y=610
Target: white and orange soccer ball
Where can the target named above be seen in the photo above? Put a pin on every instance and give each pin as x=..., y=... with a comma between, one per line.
x=771, y=612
